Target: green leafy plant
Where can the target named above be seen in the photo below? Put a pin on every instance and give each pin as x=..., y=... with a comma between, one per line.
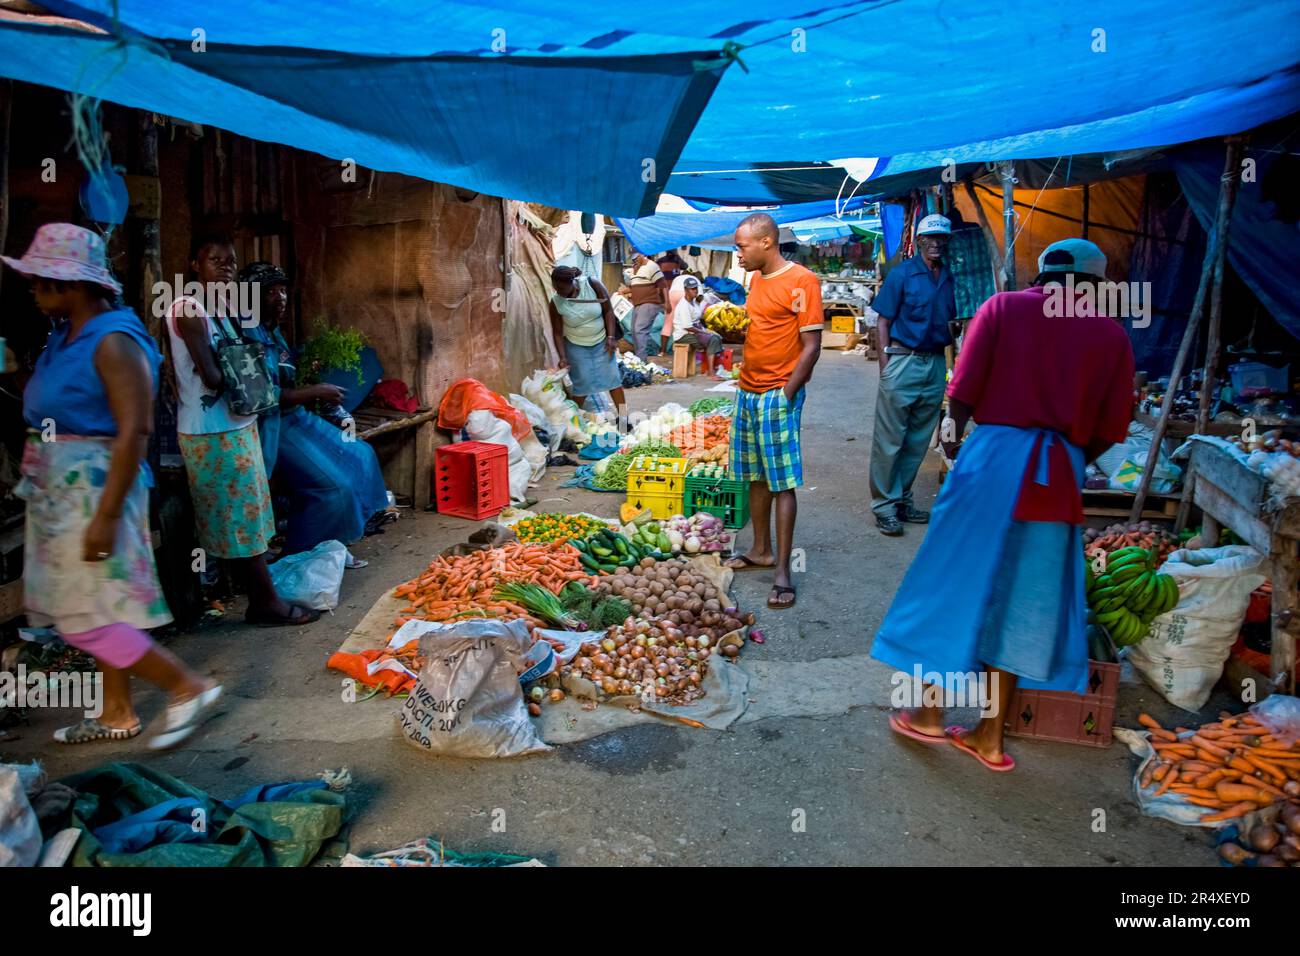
x=329, y=350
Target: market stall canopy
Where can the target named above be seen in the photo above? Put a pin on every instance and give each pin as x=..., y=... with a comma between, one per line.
x=449, y=118
x=712, y=228
x=450, y=90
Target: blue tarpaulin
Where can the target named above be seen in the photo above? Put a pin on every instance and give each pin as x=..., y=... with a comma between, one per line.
x=452, y=90
x=668, y=230
x=1263, y=237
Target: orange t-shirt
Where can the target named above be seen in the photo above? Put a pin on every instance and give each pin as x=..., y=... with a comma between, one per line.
x=780, y=306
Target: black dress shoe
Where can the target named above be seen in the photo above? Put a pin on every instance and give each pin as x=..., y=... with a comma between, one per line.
x=913, y=515
x=890, y=526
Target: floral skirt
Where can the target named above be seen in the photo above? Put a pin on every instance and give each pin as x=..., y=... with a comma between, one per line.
x=232, y=501
x=62, y=483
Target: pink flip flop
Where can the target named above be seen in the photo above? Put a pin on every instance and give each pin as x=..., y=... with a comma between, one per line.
x=901, y=727
x=954, y=735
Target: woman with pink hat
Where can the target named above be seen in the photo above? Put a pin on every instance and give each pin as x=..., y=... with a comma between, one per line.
x=88, y=558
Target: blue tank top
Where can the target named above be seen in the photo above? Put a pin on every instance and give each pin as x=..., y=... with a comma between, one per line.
x=65, y=386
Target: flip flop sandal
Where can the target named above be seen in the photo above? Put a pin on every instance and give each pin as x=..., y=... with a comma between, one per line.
x=90, y=730
x=901, y=727
x=308, y=616
x=746, y=564
x=184, y=718
x=780, y=590
x=955, y=734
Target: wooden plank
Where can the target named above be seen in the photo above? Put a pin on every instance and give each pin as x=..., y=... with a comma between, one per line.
x=426, y=436
x=1181, y=429
x=1285, y=577
x=1233, y=478
x=1233, y=514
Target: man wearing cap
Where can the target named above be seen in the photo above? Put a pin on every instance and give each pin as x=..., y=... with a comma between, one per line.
x=914, y=306
x=998, y=583
x=649, y=295
x=686, y=324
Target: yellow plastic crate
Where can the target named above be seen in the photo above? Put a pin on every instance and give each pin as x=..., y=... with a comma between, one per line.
x=659, y=476
x=662, y=505
x=658, y=484
x=844, y=324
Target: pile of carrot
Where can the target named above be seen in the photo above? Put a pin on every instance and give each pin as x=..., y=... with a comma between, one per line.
x=462, y=587
x=1231, y=766
x=703, y=433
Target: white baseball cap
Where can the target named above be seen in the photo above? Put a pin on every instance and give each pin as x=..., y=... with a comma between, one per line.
x=1074, y=255
x=935, y=225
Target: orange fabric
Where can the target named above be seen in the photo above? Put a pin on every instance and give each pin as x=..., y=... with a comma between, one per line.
x=780, y=307
x=354, y=665
x=470, y=395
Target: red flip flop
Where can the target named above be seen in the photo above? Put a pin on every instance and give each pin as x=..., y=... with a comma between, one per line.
x=901, y=727
x=954, y=735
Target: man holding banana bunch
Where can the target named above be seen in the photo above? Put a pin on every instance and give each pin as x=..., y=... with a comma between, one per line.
x=998, y=583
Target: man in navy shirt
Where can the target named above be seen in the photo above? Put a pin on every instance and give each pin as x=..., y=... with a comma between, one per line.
x=914, y=306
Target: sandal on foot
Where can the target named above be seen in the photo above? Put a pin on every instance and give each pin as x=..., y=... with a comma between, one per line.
x=185, y=717
x=955, y=734
x=90, y=730
x=780, y=591
x=904, y=728
x=297, y=615
x=746, y=564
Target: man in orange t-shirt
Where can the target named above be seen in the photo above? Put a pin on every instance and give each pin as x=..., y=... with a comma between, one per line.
x=782, y=345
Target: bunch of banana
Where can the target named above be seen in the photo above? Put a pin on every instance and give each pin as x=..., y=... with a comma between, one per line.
x=1128, y=595
x=726, y=317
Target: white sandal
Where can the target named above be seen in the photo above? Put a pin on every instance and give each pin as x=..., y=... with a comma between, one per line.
x=185, y=717
x=89, y=730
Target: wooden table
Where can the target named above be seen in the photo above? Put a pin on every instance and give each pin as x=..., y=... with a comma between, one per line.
x=1233, y=496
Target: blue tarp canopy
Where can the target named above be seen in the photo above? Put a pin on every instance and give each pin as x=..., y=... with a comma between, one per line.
x=668, y=230
x=455, y=91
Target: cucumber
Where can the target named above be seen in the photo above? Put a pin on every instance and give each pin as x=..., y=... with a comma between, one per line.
x=663, y=543
x=602, y=552
x=579, y=544
x=621, y=545
x=588, y=562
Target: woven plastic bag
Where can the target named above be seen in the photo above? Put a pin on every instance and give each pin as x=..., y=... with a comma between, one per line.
x=467, y=701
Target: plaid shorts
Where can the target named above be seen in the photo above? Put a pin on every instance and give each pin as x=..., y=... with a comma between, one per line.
x=765, y=439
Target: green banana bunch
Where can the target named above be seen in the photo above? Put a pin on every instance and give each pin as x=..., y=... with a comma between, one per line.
x=1129, y=594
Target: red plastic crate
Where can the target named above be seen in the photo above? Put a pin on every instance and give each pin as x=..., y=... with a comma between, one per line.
x=471, y=479
x=1087, y=719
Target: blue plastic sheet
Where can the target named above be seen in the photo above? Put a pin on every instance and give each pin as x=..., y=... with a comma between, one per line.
x=652, y=234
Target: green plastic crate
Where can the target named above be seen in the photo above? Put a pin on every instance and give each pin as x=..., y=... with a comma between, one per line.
x=725, y=498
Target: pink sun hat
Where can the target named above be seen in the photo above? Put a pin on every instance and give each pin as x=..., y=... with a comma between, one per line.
x=63, y=251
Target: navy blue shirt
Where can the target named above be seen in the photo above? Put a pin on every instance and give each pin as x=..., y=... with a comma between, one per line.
x=918, y=306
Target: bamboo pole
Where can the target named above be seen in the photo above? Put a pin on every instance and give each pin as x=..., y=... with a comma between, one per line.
x=1086, y=203
x=1008, y=174
x=150, y=225
x=1214, y=254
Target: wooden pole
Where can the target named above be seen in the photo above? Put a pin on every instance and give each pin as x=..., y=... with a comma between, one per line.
x=6, y=101
x=146, y=161
x=1227, y=197
x=983, y=217
x=1086, y=199
x=1008, y=171
x=1214, y=254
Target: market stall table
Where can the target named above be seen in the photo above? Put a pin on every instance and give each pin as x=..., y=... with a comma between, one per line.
x=1233, y=496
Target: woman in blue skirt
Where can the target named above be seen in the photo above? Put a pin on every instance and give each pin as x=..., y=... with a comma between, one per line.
x=332, y=480
x=995, y=596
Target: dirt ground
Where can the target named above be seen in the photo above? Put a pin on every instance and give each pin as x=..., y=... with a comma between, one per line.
x=819, y=781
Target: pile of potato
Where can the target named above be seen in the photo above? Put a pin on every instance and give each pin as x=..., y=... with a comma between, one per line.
x=675, y=592
x=1269, y=843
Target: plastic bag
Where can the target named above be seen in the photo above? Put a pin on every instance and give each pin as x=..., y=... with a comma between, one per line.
x=312, y=578
x=1184, y=654
x=20, y=834
x=466, y=702
x=1124, y=463
x=485, y=426
x=1280, y=713
x=470, y=395
x=537, y=418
